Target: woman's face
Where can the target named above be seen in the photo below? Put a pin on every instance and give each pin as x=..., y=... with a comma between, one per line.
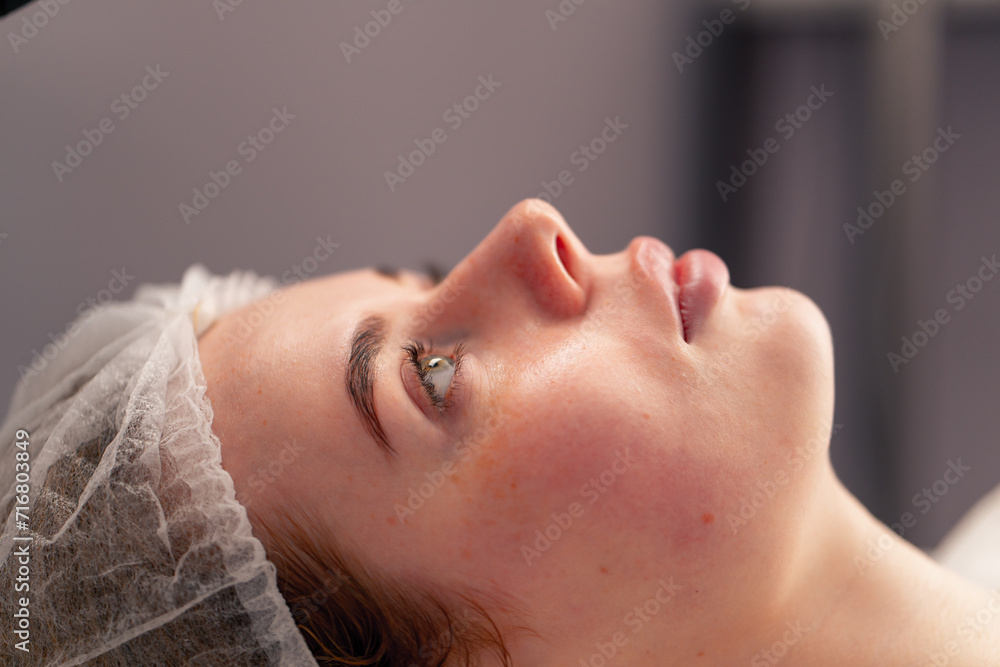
x=604, y=429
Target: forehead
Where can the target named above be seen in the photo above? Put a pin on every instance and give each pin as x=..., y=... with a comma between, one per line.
x=316, y=318
x=293, y=331
x=290, y=371
x=346, y=287
x=338, y=299
x=355, y=287
x=342, y=300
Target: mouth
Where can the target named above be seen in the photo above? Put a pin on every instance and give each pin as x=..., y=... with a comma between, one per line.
x=692, y=284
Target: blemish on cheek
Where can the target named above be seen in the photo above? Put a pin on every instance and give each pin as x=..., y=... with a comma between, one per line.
x=260, y=390
x=645, y=416
x=604, y=570
x=391, y=520
x=707, y=517
x=701, y=654
x=264, y=423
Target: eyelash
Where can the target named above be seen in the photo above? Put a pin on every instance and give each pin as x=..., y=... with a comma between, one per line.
x=416, y=351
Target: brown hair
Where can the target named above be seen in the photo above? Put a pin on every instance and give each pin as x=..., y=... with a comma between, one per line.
x=352, y=615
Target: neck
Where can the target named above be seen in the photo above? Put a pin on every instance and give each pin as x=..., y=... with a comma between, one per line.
x=872, y=594
x=856, y=592
x=853, y=593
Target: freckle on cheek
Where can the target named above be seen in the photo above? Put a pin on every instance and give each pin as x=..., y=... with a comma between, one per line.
x=479, y=464
x=707, y=517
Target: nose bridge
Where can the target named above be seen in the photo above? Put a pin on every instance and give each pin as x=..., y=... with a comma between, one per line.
x=522, y=268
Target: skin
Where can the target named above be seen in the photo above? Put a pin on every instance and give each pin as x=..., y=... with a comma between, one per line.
x=688, y=478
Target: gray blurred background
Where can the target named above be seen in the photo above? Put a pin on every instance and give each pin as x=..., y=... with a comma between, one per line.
x=693, y=109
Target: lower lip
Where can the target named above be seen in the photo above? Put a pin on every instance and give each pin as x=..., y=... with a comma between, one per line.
x=702, y=278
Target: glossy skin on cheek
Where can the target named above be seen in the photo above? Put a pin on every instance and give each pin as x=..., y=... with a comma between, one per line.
x=506, y=487
x=548, y=456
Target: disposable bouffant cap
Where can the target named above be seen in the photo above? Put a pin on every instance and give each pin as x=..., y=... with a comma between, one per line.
x=131, y=548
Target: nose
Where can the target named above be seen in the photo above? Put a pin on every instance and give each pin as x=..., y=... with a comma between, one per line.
x=531, y=263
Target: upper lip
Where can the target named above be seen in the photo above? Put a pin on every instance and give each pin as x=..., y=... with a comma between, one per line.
x=642, y=261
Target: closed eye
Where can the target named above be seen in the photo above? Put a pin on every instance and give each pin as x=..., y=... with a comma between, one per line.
x=432, y=270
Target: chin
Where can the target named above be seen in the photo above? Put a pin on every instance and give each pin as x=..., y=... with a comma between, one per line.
x=800, y=352
x=778, y=341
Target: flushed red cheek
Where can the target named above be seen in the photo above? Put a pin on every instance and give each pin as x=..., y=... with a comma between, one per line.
x=671, y=489
x=513, y=486
x=675, y=495
x=525, y=470
x=546, y=516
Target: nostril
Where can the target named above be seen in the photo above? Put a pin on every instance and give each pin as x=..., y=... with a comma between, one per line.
x=563, y=254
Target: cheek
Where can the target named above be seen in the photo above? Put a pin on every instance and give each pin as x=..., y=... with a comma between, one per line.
x=567, y=489
x=550, y=470
x=660, y=464
x=541, y=463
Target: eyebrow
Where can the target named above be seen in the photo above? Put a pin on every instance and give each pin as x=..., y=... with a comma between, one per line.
x=431, y=269
x=366, y=347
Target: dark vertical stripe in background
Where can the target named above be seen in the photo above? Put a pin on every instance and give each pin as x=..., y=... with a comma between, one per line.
x=785, y=226
x=7, y=6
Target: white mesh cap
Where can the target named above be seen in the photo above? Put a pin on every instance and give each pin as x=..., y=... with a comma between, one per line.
x=139, y=553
